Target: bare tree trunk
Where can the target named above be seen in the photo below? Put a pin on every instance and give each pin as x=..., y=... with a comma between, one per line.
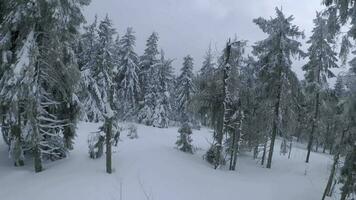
x=331, y=177
x=36, y=150
x=290, y=148
x=236, y=150
x=314, y=121
x=328, y=188
x=108, y=145
x=264, y=152
x=232, y=151
x=220, y=134
x=255, y=152
x=108, y=135
x=274, y=130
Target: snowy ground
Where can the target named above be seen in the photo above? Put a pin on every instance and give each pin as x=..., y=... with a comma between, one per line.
x=151, y=168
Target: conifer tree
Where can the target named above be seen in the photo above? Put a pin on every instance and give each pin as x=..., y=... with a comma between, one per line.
x=104, y=71
x=321, y=59
x=148, y=80
x=274, y=55
x=39, y=76
x=208, y=63
x=185, y=88
x=148, y=61
x=163, y=107
x=184, y=140
x=88, y=91
x=128, y=85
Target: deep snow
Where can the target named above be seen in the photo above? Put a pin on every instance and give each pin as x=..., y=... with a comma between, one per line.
x=150, y=167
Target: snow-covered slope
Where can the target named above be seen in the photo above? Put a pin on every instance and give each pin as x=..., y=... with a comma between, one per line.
x=151, y=168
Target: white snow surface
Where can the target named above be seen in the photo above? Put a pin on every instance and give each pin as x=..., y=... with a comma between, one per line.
x=150, y=167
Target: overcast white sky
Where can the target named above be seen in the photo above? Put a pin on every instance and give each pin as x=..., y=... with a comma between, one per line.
x=188, y=26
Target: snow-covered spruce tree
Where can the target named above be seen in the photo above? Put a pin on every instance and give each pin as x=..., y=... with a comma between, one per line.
x=185, y=88
x=128, y=86
x=321, y=59
x=148, y=81
x=347, y=178
x=40, y=75
x=274, y=59
x=208, y=64
x=89, y=90
x=231, y=117
x=148, y=60
x=233, y=112
x=103, y=73
x=207, y=101
x=164, y=77
x=184, y=142
x=206, y=72
x=255, y=124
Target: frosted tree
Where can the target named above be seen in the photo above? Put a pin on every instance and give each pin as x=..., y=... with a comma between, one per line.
x=208, y=63
x=128, y=85
x=40, y=76
x=204, y=78
x=229, y=122
x=341, y=13
x=148, y=60
x=164, y=78
x=184, y=140
x=148, y=80
x=233, y=111
x=185, y=88
x=103, y=73
x=322, y=58
x=274, y=58
x=88, y=91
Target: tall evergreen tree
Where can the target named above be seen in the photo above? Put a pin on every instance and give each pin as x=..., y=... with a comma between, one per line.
x=89, y=90
x=208, y=63
x=104, y=71
x=40, y=73
x=164, y=78
x=148, y=60
x=128, y=85
x=274, y=54
x=321, y=59
x=185, y=88
x=148, y=80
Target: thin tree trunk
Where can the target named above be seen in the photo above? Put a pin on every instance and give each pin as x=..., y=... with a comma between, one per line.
x=274, y=130
x=108, y=135
x=328, y=188
x=324, y=148
x=236, y=149
x=108, y=145
x=314, y=121
x=331, y=177
x=264, y=152
x=232, y=151
x=37, y=157
x=221, y=134
x=16, y=132
x=255, y=152
x=290, y=148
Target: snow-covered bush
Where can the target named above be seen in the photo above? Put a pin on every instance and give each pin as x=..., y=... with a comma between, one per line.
x=284, y=149
x=211, y=157
x=132, y=131
x=184, y=142
x=96, y=144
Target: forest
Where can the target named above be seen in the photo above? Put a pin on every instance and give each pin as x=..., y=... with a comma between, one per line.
x=59, y=71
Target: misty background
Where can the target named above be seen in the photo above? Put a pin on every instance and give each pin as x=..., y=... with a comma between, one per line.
x=189, y=26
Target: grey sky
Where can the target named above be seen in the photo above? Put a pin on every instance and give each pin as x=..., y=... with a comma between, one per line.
x=188, y=26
